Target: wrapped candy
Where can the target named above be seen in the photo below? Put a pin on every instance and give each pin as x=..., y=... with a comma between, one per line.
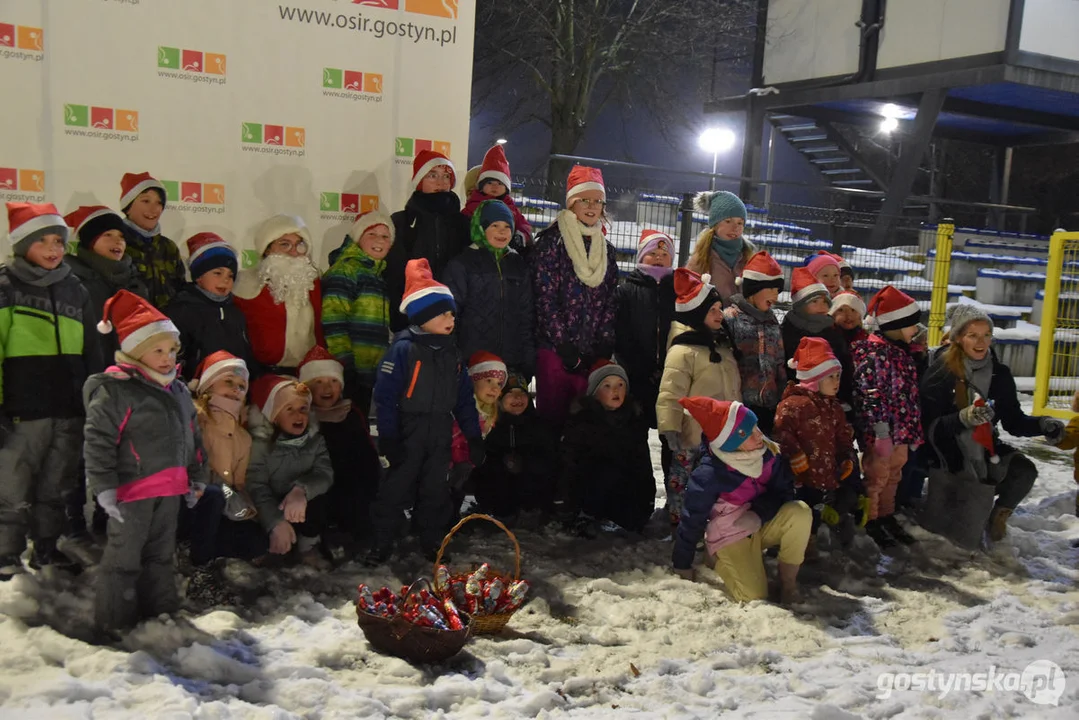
x=491, y=594
x=453, y=618
x=367, y=600
x=516, y=594
x=442, y=577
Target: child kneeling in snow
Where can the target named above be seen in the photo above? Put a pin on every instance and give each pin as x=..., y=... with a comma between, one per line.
x=741, y=499
x=142, y=452
x=605, y=449
x=290, y=471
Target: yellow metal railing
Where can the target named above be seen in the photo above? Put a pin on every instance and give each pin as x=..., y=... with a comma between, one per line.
x=942, y=270
x=1056, y=376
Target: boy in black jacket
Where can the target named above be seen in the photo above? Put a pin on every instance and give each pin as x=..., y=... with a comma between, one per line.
x=203, y=311
x=420, y=389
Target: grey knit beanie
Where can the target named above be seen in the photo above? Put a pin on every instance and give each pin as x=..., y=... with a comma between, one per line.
x=603, y=370
x=962, y=315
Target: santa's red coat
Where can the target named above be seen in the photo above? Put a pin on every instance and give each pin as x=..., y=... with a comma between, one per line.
x=267, y=324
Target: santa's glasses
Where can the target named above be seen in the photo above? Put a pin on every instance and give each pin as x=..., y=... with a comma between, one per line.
x=286, y=246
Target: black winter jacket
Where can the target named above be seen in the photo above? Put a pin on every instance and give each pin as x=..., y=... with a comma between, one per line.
x=940, y=412
x=431, y=226
x=792, y=335
x=494, y=307
x=527, y=436
x=206, y=327
x=356, y=468
x=645, y=309
x=103, y=278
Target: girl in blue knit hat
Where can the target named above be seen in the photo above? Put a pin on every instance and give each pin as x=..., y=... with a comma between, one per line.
x=721, y=251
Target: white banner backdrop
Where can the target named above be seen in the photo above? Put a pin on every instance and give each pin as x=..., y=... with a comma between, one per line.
x=244, y=108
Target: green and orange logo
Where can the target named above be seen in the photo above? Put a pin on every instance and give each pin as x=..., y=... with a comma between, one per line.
x=435, y=8
x=347, y=203
x=101, y=118
x=352, y=80
x=406, y=147
x=22, y=180
x=193, y=61
x=182, y=191
x=22, y=37
x=267, y=134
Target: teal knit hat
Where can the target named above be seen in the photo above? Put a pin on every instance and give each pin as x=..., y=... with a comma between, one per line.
x=720, y=206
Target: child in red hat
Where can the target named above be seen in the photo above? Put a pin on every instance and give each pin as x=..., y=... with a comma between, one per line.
x=887, y=409
x=741, y=501
x=825, y=267
x=155, y=257
x=421, y=389
x=49, y=347
x=808, y=317
x=143, y=452
x=493, y=183
x=430, y=227
x=488, y=374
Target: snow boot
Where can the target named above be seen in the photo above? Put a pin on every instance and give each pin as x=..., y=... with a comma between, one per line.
x=309, y=550
x=10, y=566
x=892, y=526
x=81, y=548
x=876, y=530
x=45, y=554
x=789, y=594
x=998, y=523
x=207, y=587
x=845, y=530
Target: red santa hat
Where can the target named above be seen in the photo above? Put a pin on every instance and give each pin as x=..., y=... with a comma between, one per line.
x=848, y=298
x=271, y=393
x=368, y=220
x=278, y=226
x=582, y=179
x=134, y=184
x=495, y=167
x=813, y=360
x=92, y=221
x=206, y=251
x=653, y=240
x=893, y=309
x=726, y=425
x=692, y=290
x=820, y=261
x=28, y=222
x=138, y=324
x=424, y=299
x=483, y=364
x=318, y=362
x=425, y=162
x=760, y=272
x=217, y=365
x=805, y=287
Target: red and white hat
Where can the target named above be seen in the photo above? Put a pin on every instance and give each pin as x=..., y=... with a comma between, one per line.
x=691, y=289
x=216, y=365
x=582, y=179
x=483, y=364
x=368, y=220
x=318, y=362
x=725, y=424
x=424, y=298
x=813, y=360
x=848, y=298
x=90, y=221
x=134, y=184
x=653, y=240
x=29, y=221
x=278, y=226
x=804, y=286
x=206, y=251
x=893, y=309
x=760, y=272
x=495, y=167
x=425, y=162
x=136, y=321
x=271, y=393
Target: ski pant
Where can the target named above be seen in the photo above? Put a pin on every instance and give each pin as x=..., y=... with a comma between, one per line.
x=503, y=493
x=556, y=388
x=741, y=564
x=912, y=485
x=417, y=479
x=682, y=465
x=349, y=498
x=882, y=476
x=39, y=465
x=212, y=535
x=136, y=579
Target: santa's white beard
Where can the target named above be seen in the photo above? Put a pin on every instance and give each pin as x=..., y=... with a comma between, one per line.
x=290, y=279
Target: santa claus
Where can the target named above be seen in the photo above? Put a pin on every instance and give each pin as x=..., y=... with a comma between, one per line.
x=281, y=297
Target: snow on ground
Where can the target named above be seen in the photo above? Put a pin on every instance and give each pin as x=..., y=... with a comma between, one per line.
x=610, y=633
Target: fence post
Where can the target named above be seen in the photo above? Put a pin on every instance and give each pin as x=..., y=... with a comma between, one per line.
x=938, y=307
x=1047, y=349
x=685, y=235
x=839, y=223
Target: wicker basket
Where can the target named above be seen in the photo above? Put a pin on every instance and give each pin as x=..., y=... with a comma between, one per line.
x=483, y=624
x=400, y=638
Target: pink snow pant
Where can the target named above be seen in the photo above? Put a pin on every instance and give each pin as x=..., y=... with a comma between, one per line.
x=555, y=388
x=882, y=476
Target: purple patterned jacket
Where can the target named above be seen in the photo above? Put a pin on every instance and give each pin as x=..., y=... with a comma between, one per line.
x=886, y=391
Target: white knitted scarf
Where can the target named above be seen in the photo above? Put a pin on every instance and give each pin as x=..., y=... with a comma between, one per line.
x=591, y=265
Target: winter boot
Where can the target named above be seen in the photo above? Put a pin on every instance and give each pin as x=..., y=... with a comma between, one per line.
x=10, y=566
x=844, y=529
x=876, y=530
x=81, y=548
x=310, y=553
x=788, y=584
x=45, y=554
x=998, y=523
x=207, y=586
x=891, y=524
x=377, y=556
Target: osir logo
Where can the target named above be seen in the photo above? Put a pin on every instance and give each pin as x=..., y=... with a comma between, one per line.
x=345, y=205
x=191, y=65
x=21, y=42
x=273, y=139
x=352, y=84
x=195, y=197
x=436, y=8
x=102, y=123
x=406, y=148
x=21, y=184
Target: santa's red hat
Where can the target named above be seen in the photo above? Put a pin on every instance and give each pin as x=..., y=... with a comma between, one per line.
x=821, y=260
x=848, y=298
x=893, y=309
x=271, y=393
x=692, y=290
x=134, y=184
x=424, y=298
x=27, y=222
x=425, y=162
x=368, y=220
x=653, y=240
x=318, y=362
x=760, y=272
x=92, y=221
x=138, y=324
x=726, y=425
x=805, y=287
x=495, y=167
x=278, y=226
x=216, y=365
x=484, y=364
x=813, y=360
x=582, y=179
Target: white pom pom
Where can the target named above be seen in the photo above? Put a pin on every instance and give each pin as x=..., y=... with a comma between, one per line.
x=706, y=279
x=792, y=365
x=703, y=202
x=738, y=281
x=104, y=327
